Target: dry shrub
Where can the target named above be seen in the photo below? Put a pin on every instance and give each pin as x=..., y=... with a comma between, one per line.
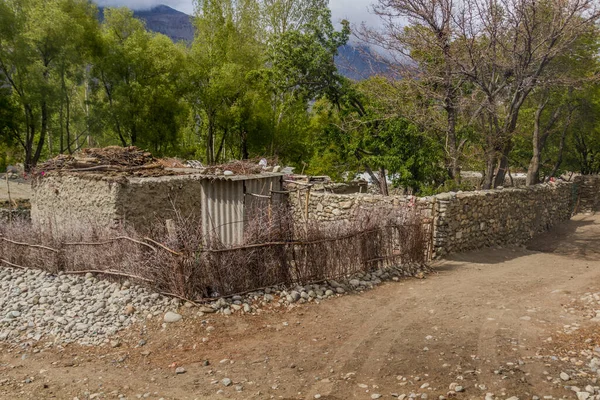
x=177, y=259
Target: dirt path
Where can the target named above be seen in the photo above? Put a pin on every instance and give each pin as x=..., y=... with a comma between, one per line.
x=482, y=321
x=19, y=189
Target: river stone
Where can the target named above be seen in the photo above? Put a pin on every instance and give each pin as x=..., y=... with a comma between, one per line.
x=172, y=317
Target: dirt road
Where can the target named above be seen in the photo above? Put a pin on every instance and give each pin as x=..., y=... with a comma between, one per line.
x=493, y=321
x=19, y=189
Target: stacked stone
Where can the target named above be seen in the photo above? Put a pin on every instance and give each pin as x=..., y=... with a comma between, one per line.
x=471, y=220
x=462, y=220
x=20, y=214
x=344, y=207
x=588, y=187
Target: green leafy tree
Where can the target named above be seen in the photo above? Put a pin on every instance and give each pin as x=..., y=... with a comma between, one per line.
x=301, y=50
x=361, y=133
x=35, y=39
x=140, y=75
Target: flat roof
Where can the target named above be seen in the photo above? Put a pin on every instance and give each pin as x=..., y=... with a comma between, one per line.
x=192, y=173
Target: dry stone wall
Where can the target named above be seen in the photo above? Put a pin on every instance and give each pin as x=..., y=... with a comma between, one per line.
x=344, y=207
x=461, y=221
x=588, y=188
x=469, y=220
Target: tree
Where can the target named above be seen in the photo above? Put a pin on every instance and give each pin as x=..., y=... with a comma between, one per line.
x=34, y=42
x=362, y=133
x=506, y=49
x=481, y=59
x=225, y=51
x=300, y=55
x=558, y=98
x=423, y=51
x=141, y=76
x=583, y=141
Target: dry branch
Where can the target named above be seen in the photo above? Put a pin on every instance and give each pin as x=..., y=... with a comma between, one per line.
x=107, y=241
x=163, y=246
x=38, y=246
x=11, y=264
x=275, y=252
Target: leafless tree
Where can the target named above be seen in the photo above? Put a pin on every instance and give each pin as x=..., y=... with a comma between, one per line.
x=500, y=49
x=424, y=54
x=507, y=46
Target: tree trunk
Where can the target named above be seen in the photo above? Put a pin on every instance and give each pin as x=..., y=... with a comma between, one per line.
x=503, y=165
x=210, y=151
x=490, y=162
x=245, y=154
x=488, y=177
x=533, y=172
x=450, y=108
x=383, y=182
x=43, y=132
x=561, y=148
x=374, y=177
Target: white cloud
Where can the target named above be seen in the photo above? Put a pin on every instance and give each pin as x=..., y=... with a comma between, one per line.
x=355, y=11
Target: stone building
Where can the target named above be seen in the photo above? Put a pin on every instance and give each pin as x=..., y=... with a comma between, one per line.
x=71, y=200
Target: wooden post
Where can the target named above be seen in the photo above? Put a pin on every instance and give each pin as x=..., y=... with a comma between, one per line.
x=9, y=200
x=432, y=229
x=270, y=201
x=171, y=229
x=307, y=201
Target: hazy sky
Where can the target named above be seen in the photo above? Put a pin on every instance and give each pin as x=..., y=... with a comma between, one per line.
x=355, y=11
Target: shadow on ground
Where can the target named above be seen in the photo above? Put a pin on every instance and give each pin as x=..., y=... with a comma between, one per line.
x=577, y=238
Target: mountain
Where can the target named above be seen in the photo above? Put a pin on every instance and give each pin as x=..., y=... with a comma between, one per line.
x=172, y=23
x=166, y=20
x=359, y=62
x=353, y=61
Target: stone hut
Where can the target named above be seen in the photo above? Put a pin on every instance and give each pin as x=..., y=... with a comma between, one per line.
x=71, y=200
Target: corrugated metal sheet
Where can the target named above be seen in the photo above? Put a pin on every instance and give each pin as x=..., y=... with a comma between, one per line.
x=227, y=204
x=223, y=210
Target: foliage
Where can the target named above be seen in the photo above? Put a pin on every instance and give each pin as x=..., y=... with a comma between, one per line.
x=139, y=73
x=471, y=85
x=362, y=133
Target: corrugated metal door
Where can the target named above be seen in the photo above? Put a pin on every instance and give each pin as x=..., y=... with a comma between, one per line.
x=223, y=211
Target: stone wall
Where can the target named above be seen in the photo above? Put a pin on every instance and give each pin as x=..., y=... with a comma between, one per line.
x=15, y=215
x=69, y=201
x=462, y=221
x=588, y=187
x=144, y=201
x=470, y=220
x=343, y=207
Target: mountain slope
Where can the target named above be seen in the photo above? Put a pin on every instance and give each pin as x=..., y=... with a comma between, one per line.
x=353, y=61
x=172, y=23
x=359, y=62
x=163, y=19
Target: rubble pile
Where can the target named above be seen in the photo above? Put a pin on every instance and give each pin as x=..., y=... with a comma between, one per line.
x=112, y=158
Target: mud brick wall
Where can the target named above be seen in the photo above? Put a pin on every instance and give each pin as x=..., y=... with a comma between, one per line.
x=69, y=201
x=588, y=187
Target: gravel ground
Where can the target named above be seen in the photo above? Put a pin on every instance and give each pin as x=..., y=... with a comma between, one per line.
x=36, y=305
x=59, y=309
x=496, y=324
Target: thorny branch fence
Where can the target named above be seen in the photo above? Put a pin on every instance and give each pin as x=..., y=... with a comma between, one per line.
x=178, y=259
